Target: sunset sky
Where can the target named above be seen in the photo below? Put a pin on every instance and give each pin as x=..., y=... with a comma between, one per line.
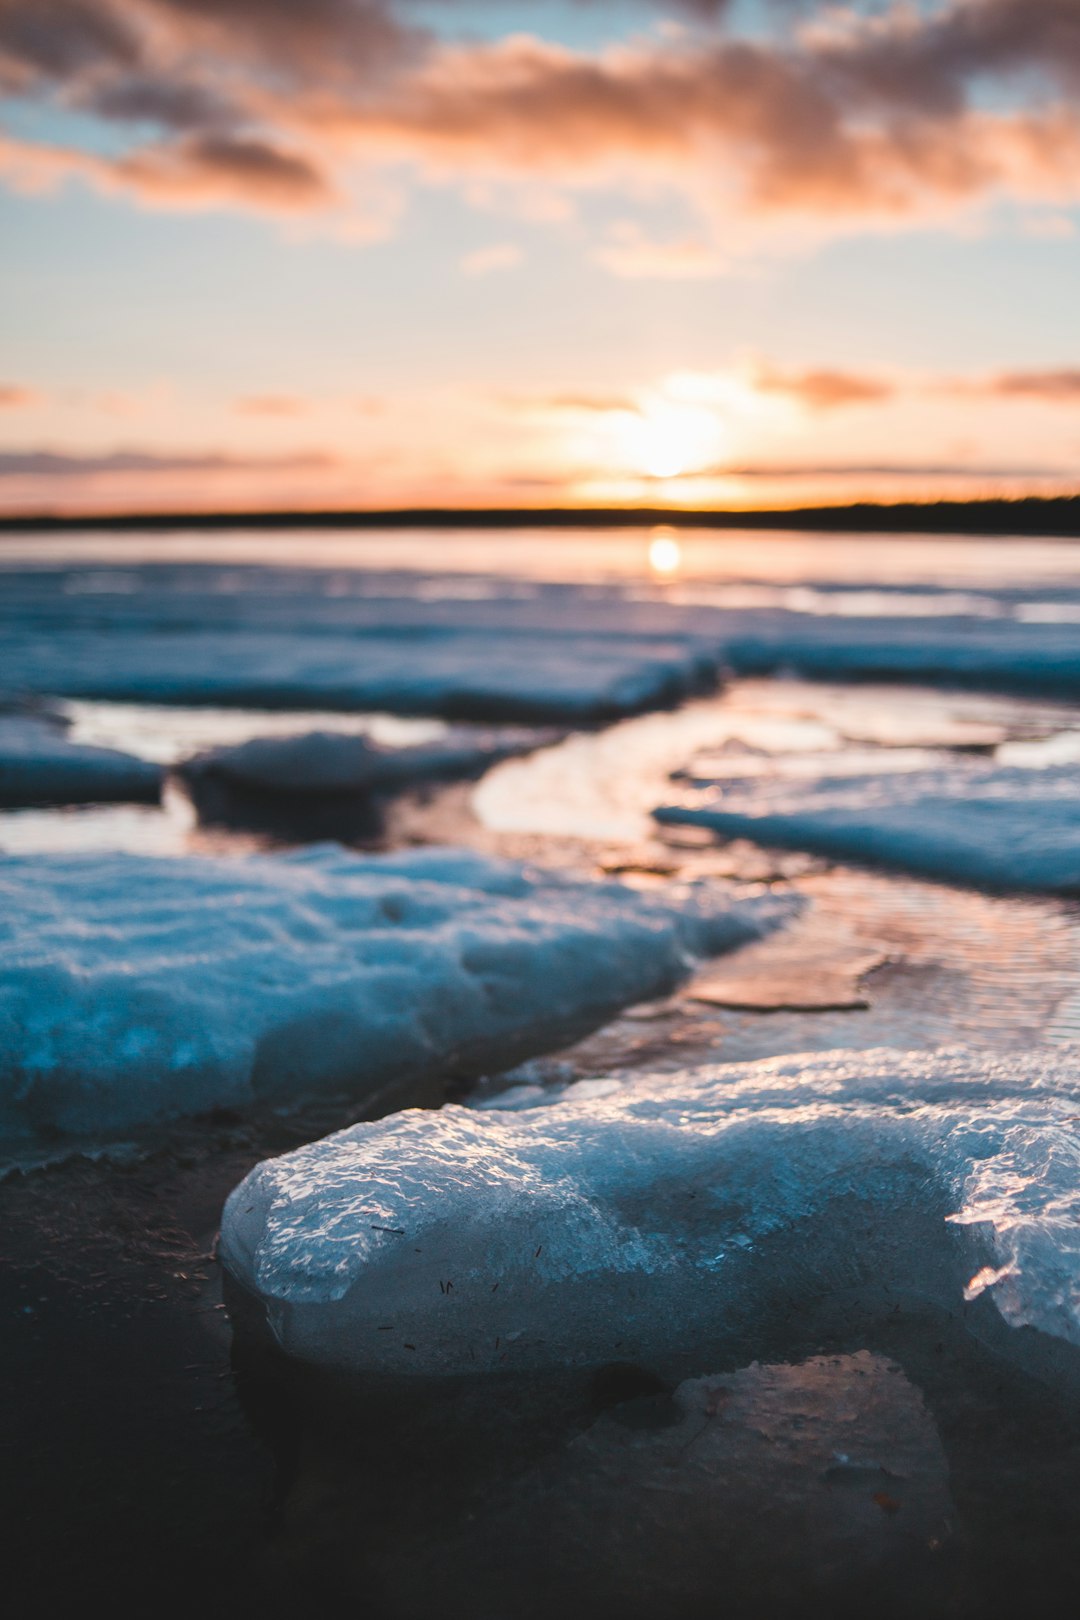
x=386, y=252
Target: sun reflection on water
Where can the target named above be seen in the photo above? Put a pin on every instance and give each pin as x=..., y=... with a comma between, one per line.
x=665, y=553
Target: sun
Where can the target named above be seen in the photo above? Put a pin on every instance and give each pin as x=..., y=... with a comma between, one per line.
x=665, y=440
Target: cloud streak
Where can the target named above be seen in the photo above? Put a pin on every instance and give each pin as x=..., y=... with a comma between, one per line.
x=824, y=390
x=57, y=464
x=196, y=172
x=1045, y=387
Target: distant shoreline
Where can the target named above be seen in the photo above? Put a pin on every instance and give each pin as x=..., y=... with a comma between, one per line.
x=1029, y=517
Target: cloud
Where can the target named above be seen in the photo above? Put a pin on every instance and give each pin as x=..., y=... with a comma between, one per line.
x=486, y=261
x=57, y=464
x=883, y=469
x=818, y=390
x=823, y=390
x=56, y=39
x=735, y=387
x=329, y=40
x=157, y=99
x=839, y=118
x=16, y=397
x=198, y=171
x=578, y=404
x=1049, y=387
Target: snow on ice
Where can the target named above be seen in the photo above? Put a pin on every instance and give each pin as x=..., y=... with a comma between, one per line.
x=135, y=989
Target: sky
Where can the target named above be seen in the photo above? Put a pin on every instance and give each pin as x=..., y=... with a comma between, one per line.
x=264, y=253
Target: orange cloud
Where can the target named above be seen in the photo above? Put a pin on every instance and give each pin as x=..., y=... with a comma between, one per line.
x=14, y=397
x=823, y=390
x=1052, y=387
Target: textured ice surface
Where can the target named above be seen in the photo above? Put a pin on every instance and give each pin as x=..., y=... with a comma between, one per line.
x=618, y=1227
x=335, y=762
x=135, y=989
x=39, y=765
x=987, y=825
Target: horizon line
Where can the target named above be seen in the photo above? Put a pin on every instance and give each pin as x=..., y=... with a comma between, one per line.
x=1027, y=516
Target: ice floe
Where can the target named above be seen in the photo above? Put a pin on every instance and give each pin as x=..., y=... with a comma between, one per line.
x=40, y=765
x=987, y=825
x=135, y=989
x=690, y=1207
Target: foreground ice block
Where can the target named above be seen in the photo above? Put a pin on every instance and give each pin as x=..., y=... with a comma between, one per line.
x=135, y=989
x=987, y=825
x=692, y=1208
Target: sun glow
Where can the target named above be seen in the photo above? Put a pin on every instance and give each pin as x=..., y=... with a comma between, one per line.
x=666, y=440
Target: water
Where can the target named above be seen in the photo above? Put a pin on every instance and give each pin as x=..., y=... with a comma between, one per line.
x=919, y=565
